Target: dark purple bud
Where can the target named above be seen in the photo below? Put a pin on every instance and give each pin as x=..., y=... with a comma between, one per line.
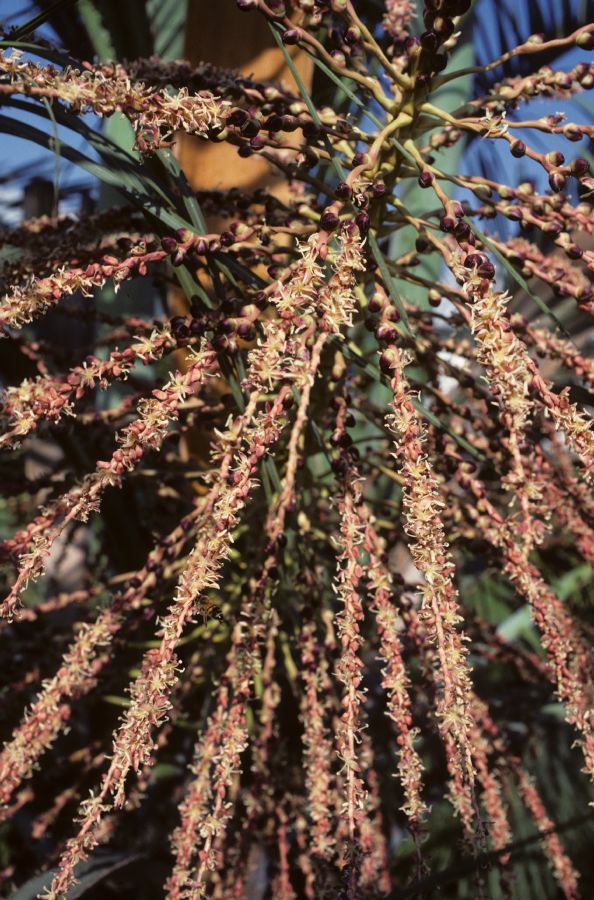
x=388, y=360
x=425, y=179
x=376, y=303
x=552, y=228
x=246, y=331
x=486, y=270
x=290, y=123
x=379, y=189
x=176, y=323
x=274, y=123
x=573, y=251
x=579, y=166
x=557, y=182
x=555, y=158
x=473, y=260
x=250, y=127
x=573, y=133
x=169, y=244
x=291, y=36
x=429, y=41
x=362, y=222
x=245, y=151
x=343, y=191
x=447, y=223
x=422, y=244
x=462, y=230
x=310, y=129
x=329, y=220
x=238, y=117
x=227, y=326
x=517, y=148
x=386, y=333
x=182, y=336
x=352, y=35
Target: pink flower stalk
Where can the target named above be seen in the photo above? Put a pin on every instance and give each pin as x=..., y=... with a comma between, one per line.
x=569, y=656
x=561, y=865
x=318, y=749
x=349, y=669
x=51, y=710
x=49, y=398
x=395, y=680
x=110, y=90
x=31, y=300
x=146, y=432
x=423, y=505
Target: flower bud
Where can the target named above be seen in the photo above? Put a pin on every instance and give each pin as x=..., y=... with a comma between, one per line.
x=555, y=158
x=573, y=251
x=473, y=260
x=343, y=191
x=238, y=117
x=310, y=129
x=579, y=166
x=291, y=36
x=573, y=133
x=169, y=244
x=388, y=360
x=352, y=34
x=250, y=127
x=329, y=220
x=290, y=123
x=376, y=303
x=585, y=40
x=274, y=123
x=386, y=333
x=557, y=181
x=429, y=41
x=517, y=148
x=486, y=270
x=362, y=222
x=425, y=179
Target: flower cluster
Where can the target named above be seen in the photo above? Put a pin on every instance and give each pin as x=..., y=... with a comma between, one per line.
x=297, y=541
x=110, y=89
